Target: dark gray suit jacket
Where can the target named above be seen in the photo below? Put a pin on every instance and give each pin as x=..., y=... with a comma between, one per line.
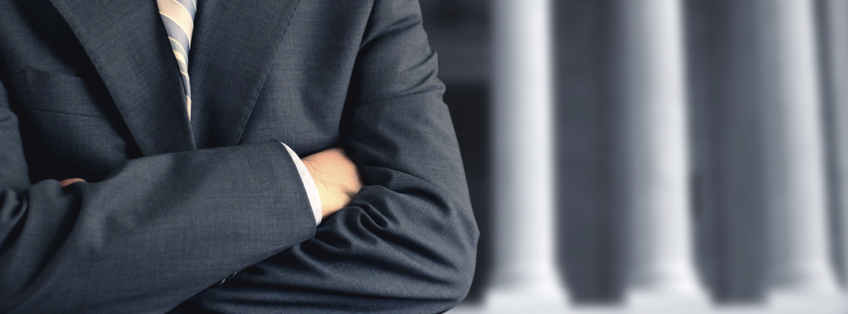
x=91, y=89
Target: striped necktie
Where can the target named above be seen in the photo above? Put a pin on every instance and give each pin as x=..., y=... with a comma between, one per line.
x=178, y=16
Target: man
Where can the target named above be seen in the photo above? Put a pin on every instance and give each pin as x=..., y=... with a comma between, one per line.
x=177, y=195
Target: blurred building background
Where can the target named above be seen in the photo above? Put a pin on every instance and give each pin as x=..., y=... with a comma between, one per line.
x=764, y=115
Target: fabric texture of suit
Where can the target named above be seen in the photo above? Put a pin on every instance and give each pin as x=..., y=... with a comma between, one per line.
x=90, y=89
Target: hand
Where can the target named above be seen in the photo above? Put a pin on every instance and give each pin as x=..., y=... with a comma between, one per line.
x=336, y=178
x=68, y=182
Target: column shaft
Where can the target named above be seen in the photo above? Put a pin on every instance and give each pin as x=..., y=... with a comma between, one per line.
x=655, y=165
x=794, y=161
x=523, y=155
x=837, y=63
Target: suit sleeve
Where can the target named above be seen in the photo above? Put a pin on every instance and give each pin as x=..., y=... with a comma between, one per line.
x=407, y=242
x=154, y=233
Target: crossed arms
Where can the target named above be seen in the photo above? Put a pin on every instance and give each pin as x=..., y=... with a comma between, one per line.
x=160, y=230
x=335, y=175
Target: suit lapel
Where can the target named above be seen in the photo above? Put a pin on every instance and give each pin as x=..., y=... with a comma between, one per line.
x=233, y=46
x=128, y=45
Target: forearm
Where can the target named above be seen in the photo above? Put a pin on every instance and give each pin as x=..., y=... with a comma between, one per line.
x=155, y=232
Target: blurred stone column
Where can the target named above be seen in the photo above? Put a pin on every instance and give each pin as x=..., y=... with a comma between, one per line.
x=655, y=162
x=526, y=276
x=837, y=42
x=795, y=190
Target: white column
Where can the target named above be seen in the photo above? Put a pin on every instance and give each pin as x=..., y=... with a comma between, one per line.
x=837, y=26
x=525, y=272
x=654, y=135
x=795, y=179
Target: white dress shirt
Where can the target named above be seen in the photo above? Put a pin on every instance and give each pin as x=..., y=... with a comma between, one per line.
x=308, y=184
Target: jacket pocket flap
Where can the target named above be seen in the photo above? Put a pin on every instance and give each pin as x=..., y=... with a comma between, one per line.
x=66, y=94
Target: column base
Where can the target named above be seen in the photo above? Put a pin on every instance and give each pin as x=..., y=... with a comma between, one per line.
x=537, y=296
x=668, y=302
x=804, y=281
x=810, y=289
x=789, y=303
x=673, y=291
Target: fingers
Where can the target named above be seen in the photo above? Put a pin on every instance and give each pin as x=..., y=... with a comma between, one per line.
x=67, y=182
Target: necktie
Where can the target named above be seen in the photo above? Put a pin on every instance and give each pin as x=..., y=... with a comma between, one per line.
x=178, y=17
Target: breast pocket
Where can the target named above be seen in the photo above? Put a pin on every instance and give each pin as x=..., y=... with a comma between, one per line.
x=65, y=94
x=71, y=128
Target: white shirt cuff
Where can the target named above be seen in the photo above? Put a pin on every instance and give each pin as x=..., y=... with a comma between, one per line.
x=308, y=184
